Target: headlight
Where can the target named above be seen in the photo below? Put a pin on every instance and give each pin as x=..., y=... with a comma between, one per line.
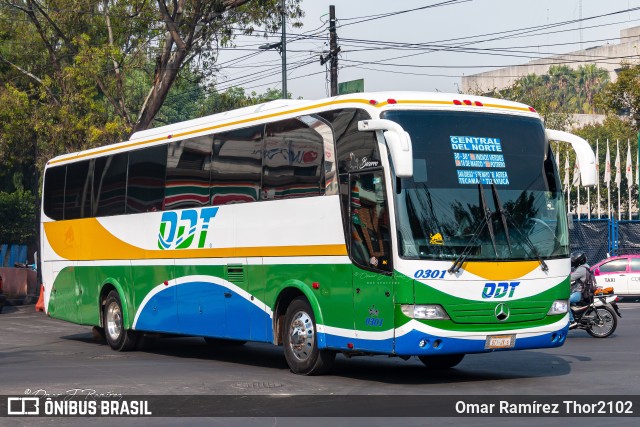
x=429, y=312
x=559, y=306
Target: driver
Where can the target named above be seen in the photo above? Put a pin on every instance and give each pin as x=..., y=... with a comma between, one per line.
x=578, y=278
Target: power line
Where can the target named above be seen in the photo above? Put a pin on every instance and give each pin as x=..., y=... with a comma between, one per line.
x=386, y=15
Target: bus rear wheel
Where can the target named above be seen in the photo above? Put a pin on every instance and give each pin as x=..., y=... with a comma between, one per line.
x=118, y=338
x=444, y=361
x=301, y=343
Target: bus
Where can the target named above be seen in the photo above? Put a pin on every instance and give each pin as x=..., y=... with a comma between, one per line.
x=401, y=223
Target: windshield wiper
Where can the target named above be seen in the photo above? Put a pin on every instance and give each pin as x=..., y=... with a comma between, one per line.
x=457, y=264
x=487, y=217
x=507, y=217
x=503, y=215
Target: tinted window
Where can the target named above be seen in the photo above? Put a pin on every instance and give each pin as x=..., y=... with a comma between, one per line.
x=635, y=264
x=77, y=195
x=617, y=265
x=54, y=192
x=355, y=150
x=145, y=185
x=109, y=185
x=370, y=234
x=292, y=161
x=442, y=204
x=237, y=166
x=188, y=173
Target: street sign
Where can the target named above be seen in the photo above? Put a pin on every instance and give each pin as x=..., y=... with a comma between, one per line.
x=354, y=86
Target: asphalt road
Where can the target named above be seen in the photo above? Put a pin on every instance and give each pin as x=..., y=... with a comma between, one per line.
x=39, y=353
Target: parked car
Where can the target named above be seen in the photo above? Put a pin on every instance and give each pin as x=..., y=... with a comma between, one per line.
x=2, y=297
x=620, y=272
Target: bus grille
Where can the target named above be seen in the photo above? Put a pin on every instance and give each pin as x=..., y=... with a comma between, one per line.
x=484, y=312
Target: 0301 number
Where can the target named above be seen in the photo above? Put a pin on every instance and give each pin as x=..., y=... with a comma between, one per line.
x=429, y=274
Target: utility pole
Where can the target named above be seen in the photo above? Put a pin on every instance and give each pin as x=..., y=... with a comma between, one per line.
x=333, y=51
x=282, y=48
x=333, y=46
x=283, y=51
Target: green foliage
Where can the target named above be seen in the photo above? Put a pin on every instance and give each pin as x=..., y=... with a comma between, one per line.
x=623, y=95
x=558, y=94
x=78, y=74
x=612, y=128
x=232, y=98
x=18, y=213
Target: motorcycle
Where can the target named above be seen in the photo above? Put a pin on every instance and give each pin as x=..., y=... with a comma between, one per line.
x=598, y=316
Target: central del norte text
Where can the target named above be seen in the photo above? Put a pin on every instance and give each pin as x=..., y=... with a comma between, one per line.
x=475, y=143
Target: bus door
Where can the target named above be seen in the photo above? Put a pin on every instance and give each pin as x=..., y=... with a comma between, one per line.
x=370, y=251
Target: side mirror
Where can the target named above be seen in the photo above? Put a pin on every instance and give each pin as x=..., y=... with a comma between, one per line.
x=398, y=141
x=596, y=271
x=584, y=152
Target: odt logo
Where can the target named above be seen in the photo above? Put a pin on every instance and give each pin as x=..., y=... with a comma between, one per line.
x=23, y=406
x=499, y=290
x=180, y=232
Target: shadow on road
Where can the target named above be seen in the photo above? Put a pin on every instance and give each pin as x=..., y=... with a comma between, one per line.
x=383, y=369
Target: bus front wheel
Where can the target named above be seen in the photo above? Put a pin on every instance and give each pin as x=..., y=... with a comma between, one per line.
x=444, y=361
x=301, y=343
x=119, y=338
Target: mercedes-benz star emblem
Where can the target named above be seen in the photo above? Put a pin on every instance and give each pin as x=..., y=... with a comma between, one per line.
x=502, y=312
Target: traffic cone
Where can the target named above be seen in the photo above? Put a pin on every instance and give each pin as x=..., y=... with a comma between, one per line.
x=40, y=303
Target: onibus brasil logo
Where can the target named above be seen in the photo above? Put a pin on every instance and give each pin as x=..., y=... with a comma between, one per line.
x=179, y=232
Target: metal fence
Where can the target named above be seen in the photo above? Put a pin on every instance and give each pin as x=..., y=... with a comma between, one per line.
x=599, y=238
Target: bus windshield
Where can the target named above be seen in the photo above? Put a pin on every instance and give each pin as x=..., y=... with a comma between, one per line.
x=485, y=186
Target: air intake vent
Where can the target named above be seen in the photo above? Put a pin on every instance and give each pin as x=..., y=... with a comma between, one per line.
x=235, y=273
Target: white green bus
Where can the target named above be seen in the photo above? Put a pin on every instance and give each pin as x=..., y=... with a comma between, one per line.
x=402, y=223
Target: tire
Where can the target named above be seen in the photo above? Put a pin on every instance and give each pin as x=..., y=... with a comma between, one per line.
x=118, y=338
x=221, y=342
x=301, y=343
x=610, y=322
x=445, y=361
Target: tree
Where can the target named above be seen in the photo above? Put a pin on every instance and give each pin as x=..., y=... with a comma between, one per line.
x=18, y=214
x=103, y=45
x=559, y=93
x=235, y=97
x=78, y=74
x=623, y=95
x=195, y=29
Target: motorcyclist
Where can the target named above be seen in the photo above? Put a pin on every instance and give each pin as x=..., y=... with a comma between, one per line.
x=579, y=273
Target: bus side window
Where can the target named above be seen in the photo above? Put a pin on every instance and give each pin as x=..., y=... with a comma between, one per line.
x=188, y=173
x=236, y=174
x=110, y=185
x=77, y=194
x=292, y=164
x=370, y=235
x=145, y=183
x=54, y=192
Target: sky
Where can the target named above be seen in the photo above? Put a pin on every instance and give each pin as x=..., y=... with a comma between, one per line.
x=457, y=37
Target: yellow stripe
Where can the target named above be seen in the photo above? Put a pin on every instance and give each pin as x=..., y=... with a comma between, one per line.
x=87, y=240
x=266, y=116
x=501, y=270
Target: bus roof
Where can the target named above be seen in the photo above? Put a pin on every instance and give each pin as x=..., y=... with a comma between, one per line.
x=291, y=107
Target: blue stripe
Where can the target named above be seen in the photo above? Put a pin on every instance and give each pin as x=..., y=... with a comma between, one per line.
x=203, y=309
x=409, y=344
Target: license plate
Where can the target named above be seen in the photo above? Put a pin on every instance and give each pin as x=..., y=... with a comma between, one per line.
x=500, y=341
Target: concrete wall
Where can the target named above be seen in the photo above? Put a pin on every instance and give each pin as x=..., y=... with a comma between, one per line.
x=19, y=282
x=580, y=120
x=609, y=57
